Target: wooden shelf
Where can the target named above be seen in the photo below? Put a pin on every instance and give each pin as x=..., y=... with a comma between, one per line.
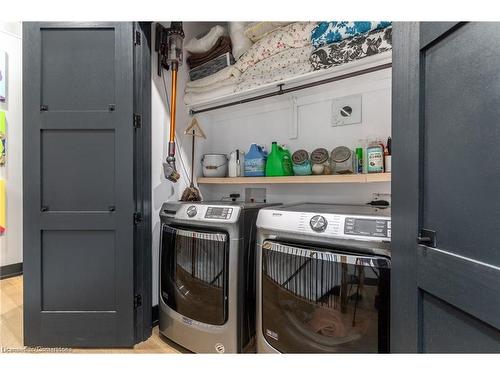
x=322, y=179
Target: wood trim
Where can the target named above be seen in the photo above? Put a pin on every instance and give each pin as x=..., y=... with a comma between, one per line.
x=11, y=270
x=320, y=179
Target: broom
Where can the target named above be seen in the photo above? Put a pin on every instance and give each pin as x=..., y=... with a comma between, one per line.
x=191, y=193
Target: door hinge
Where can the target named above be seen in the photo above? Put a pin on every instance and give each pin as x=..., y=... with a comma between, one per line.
x=137, y=218
x=137, y=301
x=137, y=121
x=427, y=237
x=137, y=38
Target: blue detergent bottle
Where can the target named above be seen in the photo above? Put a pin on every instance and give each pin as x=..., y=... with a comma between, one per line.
x=255, y=162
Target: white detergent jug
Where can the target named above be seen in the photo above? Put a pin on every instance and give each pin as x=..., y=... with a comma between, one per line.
x=237, y=164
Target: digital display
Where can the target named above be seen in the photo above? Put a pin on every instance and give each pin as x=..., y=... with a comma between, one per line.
x=366, y=227
x=218, y=213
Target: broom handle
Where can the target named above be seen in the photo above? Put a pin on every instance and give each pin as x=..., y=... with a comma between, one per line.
x=192, y=160
x=173, y=108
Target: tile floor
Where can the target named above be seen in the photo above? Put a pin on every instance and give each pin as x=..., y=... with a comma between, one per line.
x=11, y=325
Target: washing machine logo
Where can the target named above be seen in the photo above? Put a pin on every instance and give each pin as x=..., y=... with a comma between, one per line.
x=219, y=348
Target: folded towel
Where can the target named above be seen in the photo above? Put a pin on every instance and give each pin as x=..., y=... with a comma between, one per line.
x=356, y=48
x=222, y=46
x=198, y=90
x=331, y=32
x=205, y=43
x=229, y=72
x=192, y=98
x=283, y=65
x=292, y=36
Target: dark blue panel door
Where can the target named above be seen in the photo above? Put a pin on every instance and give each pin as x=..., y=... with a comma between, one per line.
x=446, y=179
x=79, y=197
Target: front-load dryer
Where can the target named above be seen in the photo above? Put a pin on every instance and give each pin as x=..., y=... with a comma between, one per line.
x=323, y=277
x=207, y=275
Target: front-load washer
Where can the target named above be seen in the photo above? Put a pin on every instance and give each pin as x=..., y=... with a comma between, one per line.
x=323, y=277
x=207, y=275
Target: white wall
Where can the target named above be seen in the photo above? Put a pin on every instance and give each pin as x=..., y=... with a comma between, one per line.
x=269, y=120
x=162, y=189
x=11, y=243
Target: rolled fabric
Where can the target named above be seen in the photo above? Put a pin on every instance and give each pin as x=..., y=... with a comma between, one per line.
x=361, y=46
x=296, y=35
x=283, y=65
x=222, y=46
x=331, y=32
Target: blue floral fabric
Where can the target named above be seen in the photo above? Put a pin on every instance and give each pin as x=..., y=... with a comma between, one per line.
x=335, y=31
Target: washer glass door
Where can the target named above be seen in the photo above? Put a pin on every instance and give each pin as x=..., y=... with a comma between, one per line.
x=194, y=273
x=317, y=300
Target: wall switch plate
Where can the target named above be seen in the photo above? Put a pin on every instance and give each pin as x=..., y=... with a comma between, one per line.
x=346, y=110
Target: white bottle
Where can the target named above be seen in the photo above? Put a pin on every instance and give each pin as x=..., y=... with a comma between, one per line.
x=236, y=163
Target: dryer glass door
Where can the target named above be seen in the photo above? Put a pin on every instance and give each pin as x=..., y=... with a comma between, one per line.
x=194, y=276
x=317, y=300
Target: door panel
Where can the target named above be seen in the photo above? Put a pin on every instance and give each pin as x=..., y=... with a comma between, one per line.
x=461, y=172
x=469, y=333
x=78, y=68
x=445, y=295
x=81, y=248
x=81, y=162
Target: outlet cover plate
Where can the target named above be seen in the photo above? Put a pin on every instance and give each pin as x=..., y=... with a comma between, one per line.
x=346, y=110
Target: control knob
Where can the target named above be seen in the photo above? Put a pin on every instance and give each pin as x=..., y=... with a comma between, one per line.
x=192, y=211
x=318, y=223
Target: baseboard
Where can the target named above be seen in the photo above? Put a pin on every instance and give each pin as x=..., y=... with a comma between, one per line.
x=11, y=270
x=155, y=315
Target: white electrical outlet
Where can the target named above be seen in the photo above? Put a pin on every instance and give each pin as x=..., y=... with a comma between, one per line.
x=346, y=110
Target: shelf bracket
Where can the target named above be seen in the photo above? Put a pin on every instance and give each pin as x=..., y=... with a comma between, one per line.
x=293, y=127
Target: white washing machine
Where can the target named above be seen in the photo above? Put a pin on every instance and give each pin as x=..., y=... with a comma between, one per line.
x=323, y=278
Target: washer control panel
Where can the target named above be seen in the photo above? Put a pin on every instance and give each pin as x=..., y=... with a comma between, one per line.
x=355, y=227
x=367, y=227
x=223, y=213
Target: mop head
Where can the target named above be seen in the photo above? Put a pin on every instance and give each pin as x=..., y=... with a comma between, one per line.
x=170, y=171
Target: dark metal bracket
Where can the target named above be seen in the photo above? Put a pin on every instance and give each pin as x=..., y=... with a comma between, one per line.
x=427, y=237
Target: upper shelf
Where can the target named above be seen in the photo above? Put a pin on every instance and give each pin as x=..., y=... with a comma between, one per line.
x=319, y=179
x=345, y=70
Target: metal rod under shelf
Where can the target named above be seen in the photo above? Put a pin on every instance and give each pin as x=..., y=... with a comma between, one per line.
x=282, y=91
